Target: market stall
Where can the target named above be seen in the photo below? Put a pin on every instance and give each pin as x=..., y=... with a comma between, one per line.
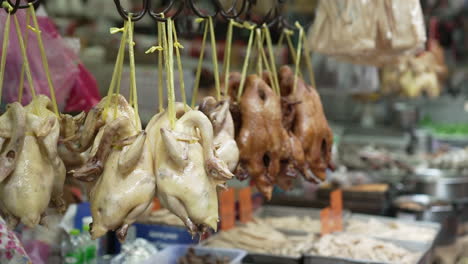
x=220, y=131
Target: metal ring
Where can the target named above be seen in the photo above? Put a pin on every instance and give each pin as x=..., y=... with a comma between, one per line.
x=274, y=19
x=22, y=6
x=124, y=13
x=248, y=9
x=157, y=16
x=197, y=12
x=15, y=6
x=231, y=13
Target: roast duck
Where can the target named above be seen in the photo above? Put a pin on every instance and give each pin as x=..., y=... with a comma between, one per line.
x=31, y=173
x=187, y=167
x=280, y=137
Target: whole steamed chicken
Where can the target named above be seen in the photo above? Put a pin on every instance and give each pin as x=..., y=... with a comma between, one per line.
x=187, y=169
x=39, y=175
x=121, y=165
x=223, y=126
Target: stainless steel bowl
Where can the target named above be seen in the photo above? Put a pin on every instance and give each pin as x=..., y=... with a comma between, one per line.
x=447, y=185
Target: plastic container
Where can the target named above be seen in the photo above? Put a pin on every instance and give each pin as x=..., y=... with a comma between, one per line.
x=89, y=246
x=171, y=254
x=71, y=248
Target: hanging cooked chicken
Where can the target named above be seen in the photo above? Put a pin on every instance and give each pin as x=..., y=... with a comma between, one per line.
x=225, y=145
x=12, y=133
x=309, y=125
x=122, y=164
x=187, y=169
x=39, y=175
x=99, y=130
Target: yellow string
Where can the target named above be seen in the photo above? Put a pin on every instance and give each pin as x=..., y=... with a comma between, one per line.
x=178, y=46
x=169, y=72
x=274, y=73
x=119, y=72
x=160, y=66
x=131, y=56
x=287, y=35
x=246, y=61
x=280, y=42
x=215, y=59
x=259, y=55
x=196, y=83
x=227, y=56
x=265, y=60
x=298, y=55
x=44, y=59
x=118, y=61
x=308, y=61
x=25, y=57
x=21, y=80
x=6, y=36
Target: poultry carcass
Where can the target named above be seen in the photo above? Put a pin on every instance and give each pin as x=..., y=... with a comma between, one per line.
x=223, y=126
x=187, y=170
x=12, y=133
x=309, y=125
x=38, y=178
x=69, y=128
x=99, y=131
x=126, y=186
x=262, y=140
x=293, y=160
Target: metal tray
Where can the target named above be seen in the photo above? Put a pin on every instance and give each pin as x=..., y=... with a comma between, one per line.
x=426, y=248
x=279, y=211
x=424, y=259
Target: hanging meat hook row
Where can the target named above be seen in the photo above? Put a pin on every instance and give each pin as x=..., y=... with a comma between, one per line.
x=181, y=5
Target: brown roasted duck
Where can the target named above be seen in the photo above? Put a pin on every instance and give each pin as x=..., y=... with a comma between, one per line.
x=39, y=175
x=261, y=138
x=308, y=123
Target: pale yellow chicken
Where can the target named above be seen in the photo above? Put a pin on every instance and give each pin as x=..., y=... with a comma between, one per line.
x=121, y=164
x=223, y=127
x=38, y=178
x=187, y=170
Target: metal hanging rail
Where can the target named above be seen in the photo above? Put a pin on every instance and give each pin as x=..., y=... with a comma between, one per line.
x=273, y=19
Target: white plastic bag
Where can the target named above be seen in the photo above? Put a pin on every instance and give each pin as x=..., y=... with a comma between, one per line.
x=368, y=32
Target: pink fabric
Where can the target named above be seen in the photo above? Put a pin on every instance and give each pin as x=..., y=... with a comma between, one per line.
x=75, y=88
x=84, y=94
x=11, y=249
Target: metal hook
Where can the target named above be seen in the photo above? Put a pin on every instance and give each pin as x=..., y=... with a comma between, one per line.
x=247, y=8
x=157, y=15
x=15, y=6
x=274, y=19
x=29, y=2
x=135, y=17
x=197, y=12
x=231, y=13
